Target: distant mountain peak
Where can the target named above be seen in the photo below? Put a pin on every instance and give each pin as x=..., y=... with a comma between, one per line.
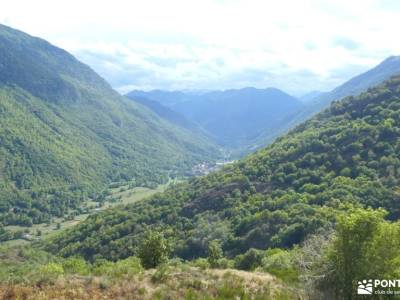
x=393, y=58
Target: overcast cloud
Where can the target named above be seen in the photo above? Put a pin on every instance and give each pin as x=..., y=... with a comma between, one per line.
x=297, y=46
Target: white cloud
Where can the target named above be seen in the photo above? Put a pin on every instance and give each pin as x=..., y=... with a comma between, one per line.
x=177, y=44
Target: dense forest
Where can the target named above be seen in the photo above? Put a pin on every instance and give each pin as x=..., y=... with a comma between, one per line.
x=347, y=155
x=65, y=134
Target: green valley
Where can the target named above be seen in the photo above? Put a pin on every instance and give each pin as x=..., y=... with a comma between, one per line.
x=65, y=134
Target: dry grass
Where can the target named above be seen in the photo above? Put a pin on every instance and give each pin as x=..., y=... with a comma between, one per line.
x=164, y=283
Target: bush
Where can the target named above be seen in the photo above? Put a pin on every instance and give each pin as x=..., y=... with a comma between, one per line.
x=201, y=263
x=214, y=253
x=75, y=265
x=365, y=246
x=250, y=260
x=122, y=268
x=154, y=250
x=161, y=274
x=50, y=272
x=102, y=266
x=175, y=262
x=280, y=263
x=126, y=268
x=225, y=263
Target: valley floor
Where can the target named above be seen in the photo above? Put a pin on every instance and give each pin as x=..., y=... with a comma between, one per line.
x=120, y=195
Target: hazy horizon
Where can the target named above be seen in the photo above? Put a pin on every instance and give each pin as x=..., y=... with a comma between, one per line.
x=215, y=44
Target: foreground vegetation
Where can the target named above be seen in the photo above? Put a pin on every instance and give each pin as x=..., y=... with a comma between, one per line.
x=31, y=274
x=327, y=265
x=178, y=283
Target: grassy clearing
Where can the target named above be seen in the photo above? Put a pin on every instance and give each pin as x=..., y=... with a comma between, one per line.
x=127, y=196
x=118, y=196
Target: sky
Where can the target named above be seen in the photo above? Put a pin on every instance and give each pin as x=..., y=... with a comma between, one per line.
x=297, y=46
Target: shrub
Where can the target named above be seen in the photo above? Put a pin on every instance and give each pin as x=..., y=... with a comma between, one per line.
x=161, y=274
x=122, y=268
x=250, y=260
x=102, y=266
x=362, y=239
x=75, y=265
x=201, y=263
x=225, y=263
x=50, y=272
x=154, y=250
x=214, y=253
x=281, y=264
x=126, y=267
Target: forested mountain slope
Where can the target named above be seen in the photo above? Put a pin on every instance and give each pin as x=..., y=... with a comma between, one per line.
x=236, y=117
x=65, y=134
x=347, y=155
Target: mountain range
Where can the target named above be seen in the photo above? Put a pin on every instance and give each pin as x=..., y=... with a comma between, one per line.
x=235, y=118
x=247, y=119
